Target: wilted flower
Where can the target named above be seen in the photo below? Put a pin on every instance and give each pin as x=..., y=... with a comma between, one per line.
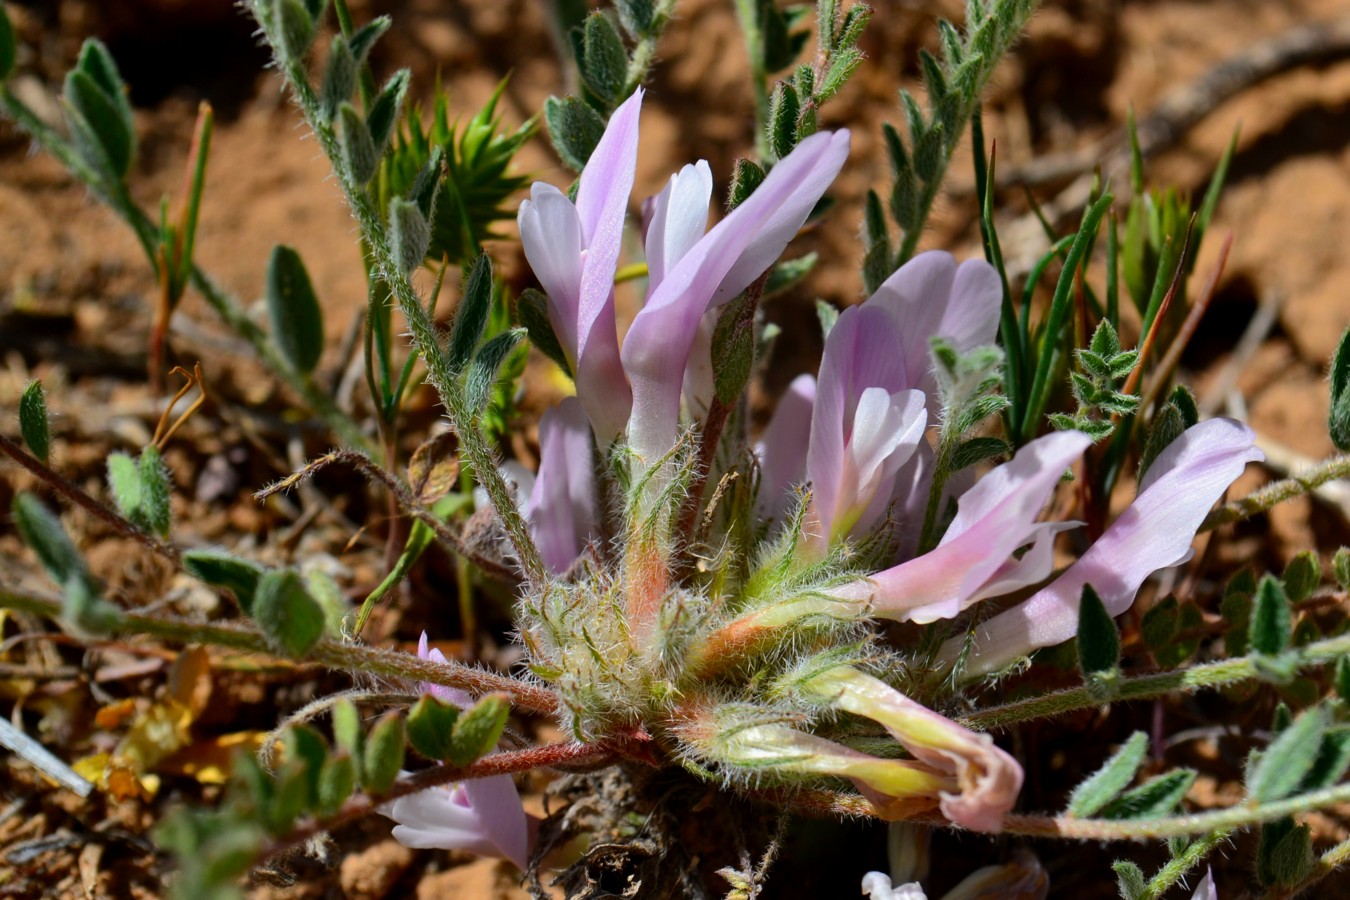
x=986, y=778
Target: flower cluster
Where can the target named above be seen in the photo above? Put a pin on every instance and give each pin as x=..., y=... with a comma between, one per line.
x=736, y=629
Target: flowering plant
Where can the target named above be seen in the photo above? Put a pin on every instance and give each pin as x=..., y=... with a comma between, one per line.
x=807, y=617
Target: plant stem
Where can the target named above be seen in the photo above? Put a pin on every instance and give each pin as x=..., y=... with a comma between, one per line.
x=644, y=52
x=75, y=495
x=1182, y=863
x=388, y=268
x=403, y=499
x=747, y=11
x=1233, y=818
x=1277, y=492
x=549, y=755
x=327, y=653
x=1208, y=675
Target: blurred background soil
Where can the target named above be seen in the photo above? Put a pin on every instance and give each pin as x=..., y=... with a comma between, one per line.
x=76, y=296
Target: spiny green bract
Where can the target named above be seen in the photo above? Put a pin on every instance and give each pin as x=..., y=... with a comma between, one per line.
x=473, y=197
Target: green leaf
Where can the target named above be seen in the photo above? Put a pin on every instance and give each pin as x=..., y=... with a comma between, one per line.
x=124, y=478
x=9, y=46
x=219, y=569
x=155, y=490
x=339, y=79
x=1099, y=641
x=85, y=611
x=733, y=351
x=1102, y=786
x=574, y=129
x=487, y=365
x=604, y=61
x=479, y=729
x=828, y=316
x=1130, y=879
x=430, y=724
x=746, y=176
x=1333, y=759
x=1271, y=622
x=46, y=536
x=385, y=108
x=973, y=451
x=297, y=29
x=1160, y=623
x=784, y=110
x=1283, y=853
x=1156, y=797
x=107, y=139
x=306, y=747
x=1340, y=567
x=474, y=306
x=1184, y=401
x=409, y=233
x=789, y=273
x=96, y=62
x=1338, y=419
x=316, y=9
x=292, y=795
x=365, y=37
x=1167, y=426
x=636, y=16
x=297, y=319
x=1302, y=576
x=356, y=144
x=1343, y=678
x=383, y=756
x=290, y=619
x=33, y=422
x=337, y=780
x=347, y=734
x=1288, y=758
x=532, y=312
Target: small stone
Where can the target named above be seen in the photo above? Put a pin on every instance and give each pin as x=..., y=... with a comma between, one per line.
x=373, y=872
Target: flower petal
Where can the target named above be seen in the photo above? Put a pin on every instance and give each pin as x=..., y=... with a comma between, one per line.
x=551, y=234
x=679, y=218
x=930, y=296
x=1153, y=533
x=994, y=518
x=501, y=817
x=561, y=508
x=859, y=354
x=747, y=241
x=459, y=698
x=482, y=816
x=986, y=778
x=782, y=447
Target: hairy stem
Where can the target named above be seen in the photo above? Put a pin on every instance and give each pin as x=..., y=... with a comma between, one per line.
x=507, y=763
x=388, y=268
x=75, y=495
x=403, y=500
x=1277, y=492
x=1183, y=862
x=1237, y=817
x=1207, y=675
x=327, y=653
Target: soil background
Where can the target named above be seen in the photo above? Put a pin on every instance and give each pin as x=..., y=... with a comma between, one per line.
x=76, y=299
